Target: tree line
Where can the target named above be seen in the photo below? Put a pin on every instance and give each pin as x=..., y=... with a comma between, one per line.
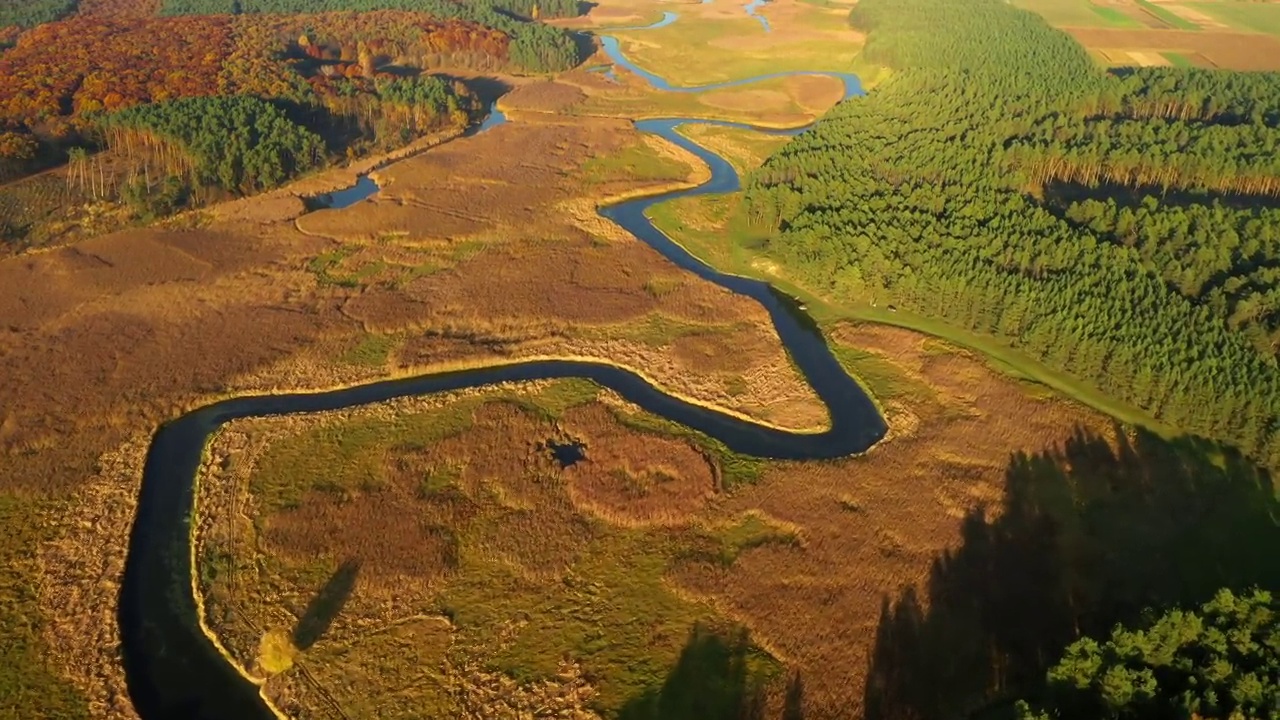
x=534, y=46
x=929, y=194
x=239, y=143
x=29, y=13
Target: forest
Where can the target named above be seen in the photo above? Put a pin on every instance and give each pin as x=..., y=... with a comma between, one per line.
x=29, y=13
x=346, y=74
x=1113, y=225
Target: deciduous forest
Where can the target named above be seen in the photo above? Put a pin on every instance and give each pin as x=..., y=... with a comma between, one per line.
x=1119, y=226
x=341, y=69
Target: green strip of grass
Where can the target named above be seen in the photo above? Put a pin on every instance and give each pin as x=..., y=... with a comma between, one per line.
x=1168, y=17
x=1178, y=59
x=737, y=251
x=1115, y=18
x=1256, y=16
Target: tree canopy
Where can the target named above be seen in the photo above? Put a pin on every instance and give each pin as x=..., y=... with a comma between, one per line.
x=1222, y=661
x=239, y=143
x=536, y=47
x=29, y=13
x=1114, y=225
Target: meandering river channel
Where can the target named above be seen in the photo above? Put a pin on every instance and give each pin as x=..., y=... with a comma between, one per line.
x=175, y=671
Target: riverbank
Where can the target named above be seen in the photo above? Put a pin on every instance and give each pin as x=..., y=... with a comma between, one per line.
x=706, y=227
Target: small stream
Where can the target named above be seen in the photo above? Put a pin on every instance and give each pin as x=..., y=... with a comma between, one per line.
x=175, y=671
x=365, y=187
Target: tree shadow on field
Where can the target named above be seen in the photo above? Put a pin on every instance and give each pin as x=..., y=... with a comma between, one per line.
x=326, y=605
x=1089, y=536
x=712, y=680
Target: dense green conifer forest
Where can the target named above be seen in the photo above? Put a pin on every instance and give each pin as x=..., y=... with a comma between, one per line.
x=238, y=143
x=29, y=13
x=1119, y=226
x=534, y=46
x=1219, y=661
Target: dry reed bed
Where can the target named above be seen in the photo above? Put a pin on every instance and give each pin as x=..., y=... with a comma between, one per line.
x=848, y=533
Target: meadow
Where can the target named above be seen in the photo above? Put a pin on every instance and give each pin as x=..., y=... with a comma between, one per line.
x=717, y=43
x=593, y=583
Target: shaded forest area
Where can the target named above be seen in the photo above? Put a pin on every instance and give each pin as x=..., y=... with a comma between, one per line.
x=1089, y=536
x=937, y=194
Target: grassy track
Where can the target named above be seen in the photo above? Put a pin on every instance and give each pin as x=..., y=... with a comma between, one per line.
x=1168, y=17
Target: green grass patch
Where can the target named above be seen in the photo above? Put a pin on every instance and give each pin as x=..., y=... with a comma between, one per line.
x=1114, y=18
x=372, y=350
x=654, y=330
x=751, y=530
x=327, y=267
x=30, y=685
x=1178, y=59
x=635, y=162
x=745, y=150
x=688, y=52
x=1078, y=13
x=346, y=458
x=558, y=398
x=1167, y=17
x=880, y=376
x=1255, y=16
x=735, y=468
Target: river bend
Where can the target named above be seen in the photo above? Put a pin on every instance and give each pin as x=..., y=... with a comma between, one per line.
x=175, y=671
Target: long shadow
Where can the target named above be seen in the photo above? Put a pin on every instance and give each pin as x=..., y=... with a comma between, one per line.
x=326, y=605
x=712, y=680
x=1089, y=536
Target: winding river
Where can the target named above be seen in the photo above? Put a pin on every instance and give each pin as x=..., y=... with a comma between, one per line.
x=175, y=671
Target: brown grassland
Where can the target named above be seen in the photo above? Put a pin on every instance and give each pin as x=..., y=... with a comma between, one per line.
x=480, y=552
x=1229, y=50
x=485, y=249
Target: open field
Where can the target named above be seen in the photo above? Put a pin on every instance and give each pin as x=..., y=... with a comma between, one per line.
x=779, y=102
x=746, y=150
x=1079, y=13
x=647, y=544
x=718, y=42
x=1230, y=50
x=1259, y=17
